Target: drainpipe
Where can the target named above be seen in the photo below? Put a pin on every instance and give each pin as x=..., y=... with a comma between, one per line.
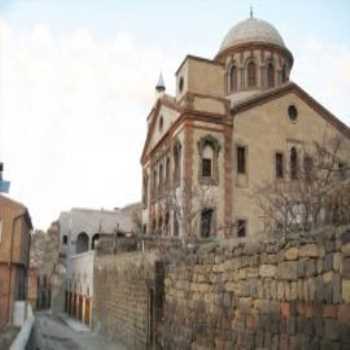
x=10, y=266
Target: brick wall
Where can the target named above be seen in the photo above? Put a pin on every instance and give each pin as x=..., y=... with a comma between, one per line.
x=284, y=294
x=125, y=303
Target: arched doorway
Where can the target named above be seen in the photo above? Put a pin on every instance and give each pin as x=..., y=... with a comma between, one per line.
x=82, y=243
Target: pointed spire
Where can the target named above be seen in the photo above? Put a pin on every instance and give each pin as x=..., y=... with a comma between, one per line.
x=251, y=11
x=160, y=87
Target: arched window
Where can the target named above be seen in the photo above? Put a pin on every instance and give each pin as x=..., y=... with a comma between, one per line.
x=82, y=243
x=270, y=75
x=177, y=163
x=207, y=161
x=251, y=74
x=176, y=226
x=160, y=178
x=167, y=172
x=284, y=74
x=233, y=79
x=208, y=148
x=95, y=239
x=293, y=163
x=207, y=222
x=145, y=191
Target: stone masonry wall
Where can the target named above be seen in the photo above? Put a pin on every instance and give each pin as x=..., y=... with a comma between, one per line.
x=124, y=286
x=282, y=294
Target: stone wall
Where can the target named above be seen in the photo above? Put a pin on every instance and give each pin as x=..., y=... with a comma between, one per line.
x=281, y=294
x=126, y=299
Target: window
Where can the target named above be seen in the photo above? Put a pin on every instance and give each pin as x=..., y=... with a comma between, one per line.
x=293, y=163
x=251, y=74
x=144, y=229
x=279, y=165
x=95, y=239
x=233, y=79
x=167, y=172
x=241, y=160
x=161, y=178
x=166, y=223
x=176, y=226
x=270, y=75
x=284, y=73
x=292, y=113
x=161, y=124
x=145, y=190
x=206, y=222
x=241, y=228
x=206, y=167
x=177, y=162
x=155, y=182
x=65, y=238
x=160, y=228
x=181, y=84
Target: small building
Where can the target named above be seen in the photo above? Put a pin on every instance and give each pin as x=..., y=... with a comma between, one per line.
x=15, y=229
x=80, y=230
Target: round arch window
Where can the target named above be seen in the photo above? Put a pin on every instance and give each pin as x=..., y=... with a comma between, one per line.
x=292, y=113
x=181, y=84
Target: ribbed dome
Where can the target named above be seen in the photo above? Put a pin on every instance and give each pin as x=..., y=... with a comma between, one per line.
x=252, y=30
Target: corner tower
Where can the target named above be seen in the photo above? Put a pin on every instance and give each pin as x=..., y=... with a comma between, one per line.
x=255, y=58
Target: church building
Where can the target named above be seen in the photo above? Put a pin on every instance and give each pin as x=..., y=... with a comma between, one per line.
x=237, y=121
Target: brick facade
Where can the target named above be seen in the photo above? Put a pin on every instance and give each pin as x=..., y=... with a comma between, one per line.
x=14, y=255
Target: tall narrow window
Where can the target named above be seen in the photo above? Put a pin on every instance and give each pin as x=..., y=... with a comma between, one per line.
x=206, y=222
x=176, y=226
x=145, y=190
x=166, y=224
x=293, y=163
x=342, y=170
x=161, y=178
x=233, y=79
x=284, y=73
x=279, y=165
x=241, y=228
x=177, y=163
x=167, y=172
x=251, y=74
x=207, y=161
x=160, y=228
x=241, y=160
x=270, y=75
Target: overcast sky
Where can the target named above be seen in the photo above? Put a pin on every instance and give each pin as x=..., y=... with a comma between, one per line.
x=77, y=82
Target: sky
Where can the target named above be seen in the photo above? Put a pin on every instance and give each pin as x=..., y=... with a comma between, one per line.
x=77, y=82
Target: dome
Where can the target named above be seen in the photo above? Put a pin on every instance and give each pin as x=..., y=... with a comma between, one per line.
x=252, y=30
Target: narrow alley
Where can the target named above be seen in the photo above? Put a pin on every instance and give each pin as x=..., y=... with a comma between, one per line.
x=56, y=333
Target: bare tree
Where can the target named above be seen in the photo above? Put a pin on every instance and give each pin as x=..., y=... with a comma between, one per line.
x=309, y=195
x=186, y=203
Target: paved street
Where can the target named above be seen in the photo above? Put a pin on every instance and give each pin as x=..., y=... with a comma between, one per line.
x=55, y=334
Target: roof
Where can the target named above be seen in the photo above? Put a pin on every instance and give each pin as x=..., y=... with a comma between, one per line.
x=252, y=30
x=20, y=207
x=93, y=221
x=269, y=95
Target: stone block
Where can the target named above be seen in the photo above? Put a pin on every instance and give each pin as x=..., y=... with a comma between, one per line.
x=331, y=329
x=345, y=249
x=288, y=270
x=345, y=237
x=337, y=262
x=328, y=262
x=309, y=250
x=346, y=290
x=310, y=268
x=329, y=345
x=346, y=267
x=268, y=271
x=291, y=253
x=330, y=311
